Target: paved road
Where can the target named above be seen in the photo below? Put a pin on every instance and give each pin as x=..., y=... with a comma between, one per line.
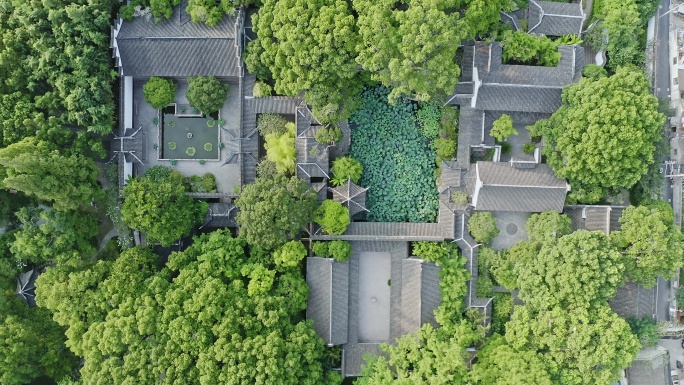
x=661, y=89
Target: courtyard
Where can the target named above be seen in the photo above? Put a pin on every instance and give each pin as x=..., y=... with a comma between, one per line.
x=374, y=296
x=189, y=137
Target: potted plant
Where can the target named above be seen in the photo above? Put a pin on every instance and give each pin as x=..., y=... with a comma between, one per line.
x=172, y=145
x=155, y=146
x=208, y=147
x=221, y=145
x=202, y=161
x=172, y=123
x=190, y=151
x=222, y=122
x=155, y=121
x=173, y=162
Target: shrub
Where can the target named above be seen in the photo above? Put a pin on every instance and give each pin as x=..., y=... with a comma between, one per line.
x=155, y=120
x=267, y=169
x=221, y=145
x=520, y=47
x=172, y=145
x=503, y=128
x=528, y=148
x=211, y=123
x=429, y=118
x=482, y=227
x=222, y=122
x=271, y=124
x=506, y=148
x=208, y=147
x=280, y=148
x=340, y=250
x=430, y=251
x=320, y=249
x=206, y=93
x=346, y=168
x=333, y=217
x=502, y=309
x=449, y=122
x=261, y=89
x=202, y=161
x=459, y=197
x=645, y=328
x=191, y=151
x=204, y=184
x=173, y=162
x=396, y=161
x=159, y=92
x=328, y=135
x=445, y=149
x=594, y=71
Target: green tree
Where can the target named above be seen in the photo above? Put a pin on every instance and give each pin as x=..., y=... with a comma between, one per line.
x=408, y=45
x=271, y=124
x=645, y=329
x=157, y=205
x=211, y=311
x=280, y=149
x=651, y=243
x=159, y=92
x=273, y=210
x=346, y=168
x=579, y=270
x=299, y=55
x=53, y=236
x=623, y=26
x=578, y=346
x=290, y=254
x=503, y=128
x=603, y=136
x=548, y=226
x=206, y=93
x=332, y=216
x=521, y=47
x=482, y=226
x=339, y=250
x=34, y=169
x=498, y=363
x=31, y=344
x=211, y=12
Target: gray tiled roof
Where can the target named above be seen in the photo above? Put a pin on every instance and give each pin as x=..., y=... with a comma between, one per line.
x=389, y=231
x=220, y=215
x=351, y=196
x=328, y=301
x=504, y=97
x=634, y=300
x=595, y=217
x=504, y=188
x=555, y=19
x=650, y=367
x=26, y=287
x=470, y=134
x=274, y=104
x=419, y=294
x=451, y=176
x=177, y=47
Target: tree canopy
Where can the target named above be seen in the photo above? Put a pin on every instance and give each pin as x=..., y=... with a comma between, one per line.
x=215, y=314
x=547, y=226
x=159, y=92
x=503, y=128
x=274, y=210
x=498, y=363
x=157, y=205
x=34, y=168
x=206, y=93
x=651, y=243
x=577, y=270
x=332, y=216
x=602, y=137
x=482, y=226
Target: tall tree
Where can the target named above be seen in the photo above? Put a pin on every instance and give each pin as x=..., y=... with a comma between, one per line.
x=603, y=136
x=408, y=45
x=651, y=243
x=273, y=210
x=31, y=344
x=207, y=93
x=579, y=346
x=579, y=270
x=304, y=43
x=548, y=226
x=34, y=169
x=53, y=236
x=212, y=315
x=498, y=363
x=157, y=205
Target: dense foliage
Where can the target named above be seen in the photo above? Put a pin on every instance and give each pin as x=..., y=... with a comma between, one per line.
x=157, y=206
x=429, y=115
x=339, y=250
x=274, y=210
x=645, y=329
x=56, y=62
x=482, y=226
x=37, y=169
x=622, y=28
x=220, y=312
x=651, y=243
x=398, y=165
x=332, y=216
x=520, y=47
x=409, y=45
x=344, y=169
x=503, y=128
x=159, y=92
x=271, y=124
x=31, y=344
x=280, y=149
x=602, y=137
x=206, y=93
